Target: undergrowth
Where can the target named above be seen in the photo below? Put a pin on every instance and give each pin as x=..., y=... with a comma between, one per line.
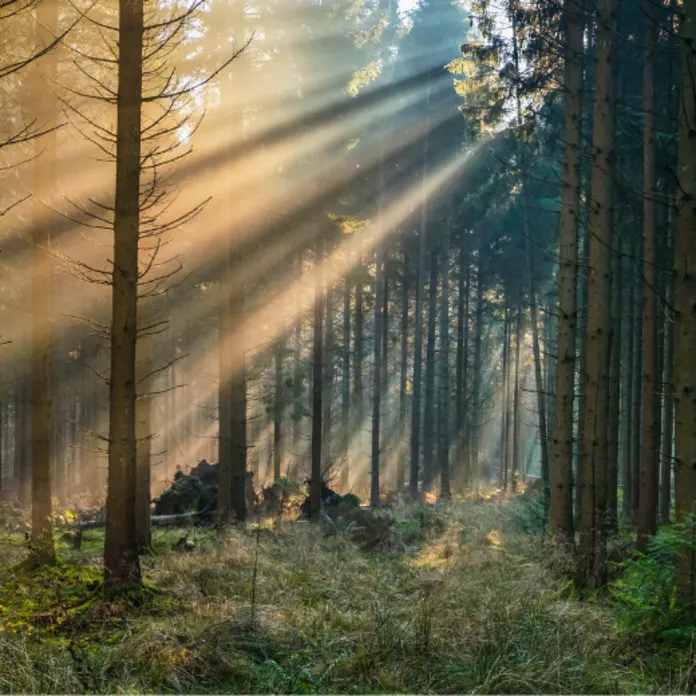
x=456, y=599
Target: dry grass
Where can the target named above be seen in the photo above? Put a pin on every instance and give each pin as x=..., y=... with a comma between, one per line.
x=459, y=601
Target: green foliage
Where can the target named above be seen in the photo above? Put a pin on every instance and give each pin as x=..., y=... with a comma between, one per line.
x=645, y=590
x=529, y=514
x=350, y=500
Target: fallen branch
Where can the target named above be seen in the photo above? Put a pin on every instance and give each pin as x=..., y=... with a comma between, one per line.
x=155, y=520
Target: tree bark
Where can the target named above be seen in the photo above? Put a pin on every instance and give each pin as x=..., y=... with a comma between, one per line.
x=561, y=473
x=278, y=407
x=143, y=436
x=429, y=425
x=685, y=305
x=42, y=547
x=516, y=402
x=476, y=381
x=668, y=387
x=647, y=497
x=591, y=561
x=614, y=402
x=405, y=292
x=503, y=469
x=443, y=358
x=317, y=382
x=345, y=389
x=377, y=386
x=121, y=561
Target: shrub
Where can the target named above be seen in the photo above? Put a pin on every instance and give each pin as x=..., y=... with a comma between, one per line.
x=645, y=590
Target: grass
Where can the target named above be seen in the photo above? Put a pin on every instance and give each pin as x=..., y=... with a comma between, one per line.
x=454, y=600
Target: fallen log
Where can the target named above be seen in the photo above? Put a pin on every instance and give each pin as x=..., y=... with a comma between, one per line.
x=155, y=521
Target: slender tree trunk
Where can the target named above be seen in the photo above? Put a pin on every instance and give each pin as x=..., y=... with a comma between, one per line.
x=358, y=358
x=685, y=304
x=516, y=402
x=121, y=562
x=529, y=252
x=297, y=389
x=561, y=473
x=647, y=497
x=328, y=379
x=476, y=386
x=317, y=382
x=417, y=366
x=42, y=547
x=636, y=376
x=238, y=416
x=502, y=474
x=405, y=289
x=278, y=407
x=627, y=389
x=591, y=561
x=429, y=425
x=462, y=334
x=614, y=403
x=668, y=386
x=225, y=371
x=143, y=436
x=377, y=386
x=345, y=388
x=444, y=448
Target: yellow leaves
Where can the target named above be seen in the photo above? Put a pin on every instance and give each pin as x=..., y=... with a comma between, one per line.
x=495, y=538
x=364, y=76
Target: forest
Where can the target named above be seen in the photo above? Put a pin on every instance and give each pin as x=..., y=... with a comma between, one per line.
x=352, y=352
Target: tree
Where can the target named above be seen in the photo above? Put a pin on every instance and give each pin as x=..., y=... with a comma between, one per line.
x=42, y=546
x=591, y=561
x=684, y=303
x=647, y=498
x=121, y=561
x=561, y=474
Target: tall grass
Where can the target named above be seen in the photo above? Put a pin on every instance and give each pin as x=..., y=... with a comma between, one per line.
x=465, y=599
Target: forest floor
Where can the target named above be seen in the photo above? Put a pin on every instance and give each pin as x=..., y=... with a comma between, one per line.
x=463, y=599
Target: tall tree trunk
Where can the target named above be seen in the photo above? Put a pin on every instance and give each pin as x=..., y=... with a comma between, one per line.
x=627, y=382
x=405, y=289
x=297, y=388
x=328, y=379
x=685, y=305
x=417, y=365
x=429, y=425
x=668, y=386
x=503, y=469
x=516, y=402
x=647, y=497
x=591, y=565
x=345, y=389
x=42, y=547
x=476, y=385
x=561, y=473
x=614, y=402
x=461, y=367
x=225, y=371
x=358, y=358
x=317, y=382
x=443, y=358
x=121, y=561
x=377, y=386
x=278, y=407
x=143, y=434
x=636, y=376
x=238, y=415
x=529, y=253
